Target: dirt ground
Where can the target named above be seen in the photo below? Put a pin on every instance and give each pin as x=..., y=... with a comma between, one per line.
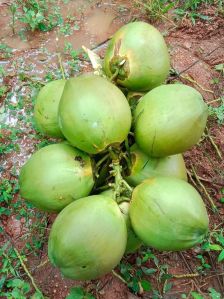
x=194, y=50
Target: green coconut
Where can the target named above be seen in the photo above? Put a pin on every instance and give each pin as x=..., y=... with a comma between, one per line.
x=133, y=242
x=144, y=167
x=169, y=120
x=55, y=176
x=88, y=238
x=93, y=113
x=46, y=108
x=168, y=214
x=138, y=54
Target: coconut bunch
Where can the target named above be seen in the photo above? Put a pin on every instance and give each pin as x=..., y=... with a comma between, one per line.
x=118, y=180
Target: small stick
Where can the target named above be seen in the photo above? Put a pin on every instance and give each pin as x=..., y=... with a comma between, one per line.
x=188, y=275
x=186, y=264
x=195, y=62
x=194, y=279
x=191, y=179
x=216, y=276
x=119, y=277
x=203, y=179
x=214, y=101
x=214, y=144
x=42, y=264
x=187, y=77
x=214, y=208
x=28, y=273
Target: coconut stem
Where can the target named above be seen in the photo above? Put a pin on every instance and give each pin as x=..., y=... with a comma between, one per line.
x=119, y=66
x=115, y=74
x=102, y=160
x=120, y=185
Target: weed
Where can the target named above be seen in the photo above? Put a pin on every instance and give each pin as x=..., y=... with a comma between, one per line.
x=17, y=289
x=122, y=8
x=215, y=244
x=66, y=29
x=189, y=9
x=3, y=90
x=2, y=71
x=155, y=9
x=213, y=294
x=13, y=8
x=137, y=278
x=204, y=264
x=74, y=54
x=36, y=14
x=12, y=285
x=5, y=51
x=220, y=68
x=79, y=293
x=217, y=112
x=8, y=137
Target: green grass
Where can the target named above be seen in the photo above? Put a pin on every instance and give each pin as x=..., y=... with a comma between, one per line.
x=6, y=52
x=13, y=284
x=36, y=14
x=79, y=293
x=156, y=9
x=218, y=112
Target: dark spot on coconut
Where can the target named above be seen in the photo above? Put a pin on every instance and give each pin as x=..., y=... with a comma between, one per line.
x=83, y=267
x=80, y=160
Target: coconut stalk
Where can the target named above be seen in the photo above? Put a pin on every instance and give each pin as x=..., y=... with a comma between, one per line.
x=119, y=185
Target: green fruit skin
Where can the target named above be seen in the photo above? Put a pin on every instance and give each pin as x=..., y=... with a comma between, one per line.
x=55, y=176
x=144, y=49
x=88, y=238
x=133, y=242
x=145, y=167
x=169, y=120
x=46, y=108
x=168, y=214
x=93, y=113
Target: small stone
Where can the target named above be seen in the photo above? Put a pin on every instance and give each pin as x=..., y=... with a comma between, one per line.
x=23, y=220
x=42, y=57
x=187, y=44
